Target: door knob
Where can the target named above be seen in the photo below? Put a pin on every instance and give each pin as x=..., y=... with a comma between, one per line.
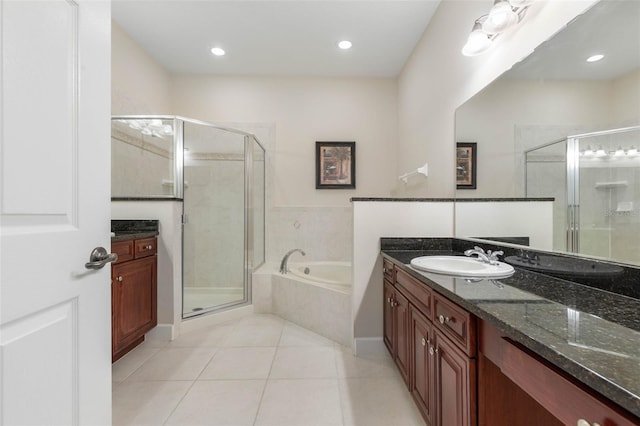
x=99, y=257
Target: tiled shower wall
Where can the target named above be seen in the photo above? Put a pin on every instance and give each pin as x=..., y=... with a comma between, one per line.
x=214, y=232
x=140, y=172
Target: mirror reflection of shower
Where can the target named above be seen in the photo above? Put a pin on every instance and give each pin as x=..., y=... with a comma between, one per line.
x=595, y=180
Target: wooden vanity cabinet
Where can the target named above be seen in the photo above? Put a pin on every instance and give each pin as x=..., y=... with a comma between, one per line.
x=134, y=293
x=396, y=328
x=441, y=371
x=512, y=380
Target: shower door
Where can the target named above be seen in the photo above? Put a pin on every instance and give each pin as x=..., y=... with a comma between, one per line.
x=606, y=194
x=214, y=263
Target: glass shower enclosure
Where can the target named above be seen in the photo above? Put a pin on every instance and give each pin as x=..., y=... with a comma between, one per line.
x=595, y=180
x=219, y=174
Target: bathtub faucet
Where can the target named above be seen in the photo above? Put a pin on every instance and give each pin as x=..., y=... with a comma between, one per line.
x=285, y=259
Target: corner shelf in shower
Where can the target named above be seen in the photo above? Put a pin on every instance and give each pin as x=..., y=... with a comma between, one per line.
x=169, y=183
x=612, y=185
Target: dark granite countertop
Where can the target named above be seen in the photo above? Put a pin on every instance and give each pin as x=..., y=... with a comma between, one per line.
x=132, y=229
x=589, y=333
x=124, y=236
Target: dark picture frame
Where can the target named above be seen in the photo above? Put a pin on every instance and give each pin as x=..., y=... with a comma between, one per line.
x=466, y=169
x=335, y=165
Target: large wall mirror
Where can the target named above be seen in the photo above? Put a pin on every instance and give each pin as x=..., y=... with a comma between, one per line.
x=557, y=126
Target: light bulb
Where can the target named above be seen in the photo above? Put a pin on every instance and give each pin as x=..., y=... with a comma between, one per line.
x=217, y=51
x=632, y=151
x=345, y=44
x=619, y=152
x=478, y=41
x=601, y=152
x=588, y=152
x=595, y=58
x=501, y=17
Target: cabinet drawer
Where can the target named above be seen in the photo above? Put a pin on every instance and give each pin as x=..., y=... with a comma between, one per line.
x=419, y=294
x=456, y=323
x=124, y=250
x=145, y=247
x=387, y=269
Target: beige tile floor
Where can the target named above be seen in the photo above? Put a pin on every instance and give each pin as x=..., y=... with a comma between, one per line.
x=260, y=370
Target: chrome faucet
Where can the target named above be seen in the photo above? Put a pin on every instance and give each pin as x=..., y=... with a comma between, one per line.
x=479, y=251
x=285, y=259
x=488, y=257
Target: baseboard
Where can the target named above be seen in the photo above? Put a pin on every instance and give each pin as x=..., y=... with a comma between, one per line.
x=369, y=346
x=216, y=318
x=160, y=333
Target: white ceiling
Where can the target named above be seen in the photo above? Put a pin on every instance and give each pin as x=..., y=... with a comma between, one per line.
x=610, y=27
x=277, y=38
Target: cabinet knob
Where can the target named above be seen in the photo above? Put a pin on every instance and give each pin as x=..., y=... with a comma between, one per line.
x=443, y=319
x=384, y=270
x=431, y=351
x=119, y=278
x=424, y=342
x=149, y=247
x=583, y=422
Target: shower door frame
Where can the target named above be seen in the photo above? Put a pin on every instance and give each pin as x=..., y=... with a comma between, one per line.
x=249, y=174
x=573, y=180
x=178, y=194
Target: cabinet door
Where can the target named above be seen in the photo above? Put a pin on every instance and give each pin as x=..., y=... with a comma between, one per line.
x=135, y=293
x=402, y=334
x=455, y=384
x=422, y=362
x=388, y=317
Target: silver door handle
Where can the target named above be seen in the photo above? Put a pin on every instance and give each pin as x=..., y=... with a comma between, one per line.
x=99, y=257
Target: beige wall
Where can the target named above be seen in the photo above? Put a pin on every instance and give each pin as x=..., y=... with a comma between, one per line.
x=139, y=85
x=438, y=78
x=305, y=110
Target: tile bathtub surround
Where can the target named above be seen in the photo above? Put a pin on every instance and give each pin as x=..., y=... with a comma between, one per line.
x=291, y=377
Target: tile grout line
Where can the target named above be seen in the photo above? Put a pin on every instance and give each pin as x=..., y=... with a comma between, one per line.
x=266, y=382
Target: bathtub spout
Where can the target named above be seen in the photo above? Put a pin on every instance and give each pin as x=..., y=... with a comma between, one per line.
x=283, y=265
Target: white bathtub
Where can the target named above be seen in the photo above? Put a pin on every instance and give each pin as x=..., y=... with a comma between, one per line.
x=319, y=301
x=332, y=275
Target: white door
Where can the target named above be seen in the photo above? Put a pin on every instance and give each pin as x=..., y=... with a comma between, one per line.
x=55, y=341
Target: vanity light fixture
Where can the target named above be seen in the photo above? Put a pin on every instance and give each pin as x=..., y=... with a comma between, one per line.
x=588, y=152
x=345, y=44
x=479, y=41
x=501, y=17
x=632, y=151
x=595, y=58
x=217, y=51
x=619, y=152
x=504, y=15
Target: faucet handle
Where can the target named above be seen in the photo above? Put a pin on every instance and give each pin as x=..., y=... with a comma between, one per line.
x=493, y=255
x=480, y=249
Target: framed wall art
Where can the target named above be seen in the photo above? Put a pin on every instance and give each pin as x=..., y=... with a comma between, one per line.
x=335, y=165
x=466, y=170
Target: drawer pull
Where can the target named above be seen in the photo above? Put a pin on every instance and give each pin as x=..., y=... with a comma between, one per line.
x=119, y=278
x=443, y=319
x=583, y=422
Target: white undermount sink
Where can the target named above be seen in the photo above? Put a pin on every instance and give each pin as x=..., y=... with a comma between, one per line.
x=461, y=266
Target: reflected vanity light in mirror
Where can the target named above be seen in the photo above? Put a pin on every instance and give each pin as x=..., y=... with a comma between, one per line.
x=595, y=58
x=501, y=17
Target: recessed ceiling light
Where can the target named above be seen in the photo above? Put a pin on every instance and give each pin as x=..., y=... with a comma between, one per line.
x=345, y=44
x=218, y=51
x=594, y=58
